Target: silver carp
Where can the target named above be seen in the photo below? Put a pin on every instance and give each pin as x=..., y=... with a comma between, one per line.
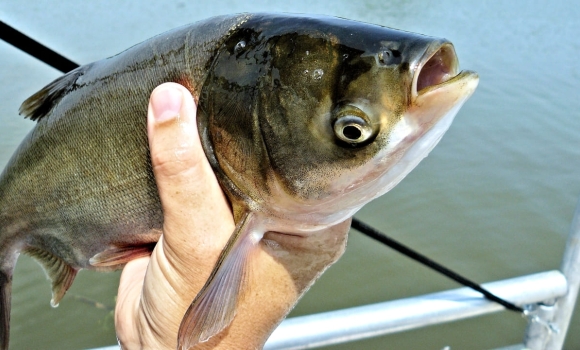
x=304, y=120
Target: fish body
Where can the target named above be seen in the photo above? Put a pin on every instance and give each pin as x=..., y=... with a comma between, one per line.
x=304, y=119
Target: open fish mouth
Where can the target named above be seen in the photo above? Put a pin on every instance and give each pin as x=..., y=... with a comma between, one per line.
x=439, y=68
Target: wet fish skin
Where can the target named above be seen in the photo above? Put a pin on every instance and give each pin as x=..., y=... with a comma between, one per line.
x=279, y=98
x=86, y=162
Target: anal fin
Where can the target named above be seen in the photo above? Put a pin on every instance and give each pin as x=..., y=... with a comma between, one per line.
x=214, y=307
x=119, y=255
x=60, y=272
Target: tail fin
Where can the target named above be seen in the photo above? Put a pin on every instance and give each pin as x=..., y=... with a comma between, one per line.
x=8, y=257
x=5, y=289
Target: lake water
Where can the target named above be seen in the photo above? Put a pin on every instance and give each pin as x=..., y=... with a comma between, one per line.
x=494, y=200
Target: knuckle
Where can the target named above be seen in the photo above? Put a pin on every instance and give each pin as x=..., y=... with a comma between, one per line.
x=173, y=162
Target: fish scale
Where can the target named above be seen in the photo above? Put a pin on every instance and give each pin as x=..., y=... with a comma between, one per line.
x=293, y=152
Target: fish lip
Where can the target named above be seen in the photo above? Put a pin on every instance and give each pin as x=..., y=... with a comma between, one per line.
x=465, y=82
x=439, y=66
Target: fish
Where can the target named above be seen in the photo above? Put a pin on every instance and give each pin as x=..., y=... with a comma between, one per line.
x=303, y=118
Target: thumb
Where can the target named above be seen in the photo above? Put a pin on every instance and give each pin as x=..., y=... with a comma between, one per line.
x=176, y=151
x=197, y=222
x=195, y=209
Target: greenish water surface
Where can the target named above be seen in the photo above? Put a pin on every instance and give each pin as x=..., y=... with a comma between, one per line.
x=494, y=200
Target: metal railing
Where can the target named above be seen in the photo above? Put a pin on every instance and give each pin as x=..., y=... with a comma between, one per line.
x=548, y=328
x=367, y=321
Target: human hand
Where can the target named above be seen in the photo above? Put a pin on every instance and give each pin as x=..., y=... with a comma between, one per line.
x=155, y=292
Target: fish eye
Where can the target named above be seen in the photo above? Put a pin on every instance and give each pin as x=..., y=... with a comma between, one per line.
x=352, y=129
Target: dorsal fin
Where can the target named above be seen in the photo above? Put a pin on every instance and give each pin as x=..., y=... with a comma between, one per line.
x=61, y=274
x=38, y=105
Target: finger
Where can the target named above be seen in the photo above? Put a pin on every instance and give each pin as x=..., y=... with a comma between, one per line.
x=128, y=298
x=306, y=258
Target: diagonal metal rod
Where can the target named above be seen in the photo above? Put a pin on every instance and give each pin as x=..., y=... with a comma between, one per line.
x=54, y=59
x=381, y=237
x=35, y=49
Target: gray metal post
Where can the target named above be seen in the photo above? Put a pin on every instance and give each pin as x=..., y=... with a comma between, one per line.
x=548, y=327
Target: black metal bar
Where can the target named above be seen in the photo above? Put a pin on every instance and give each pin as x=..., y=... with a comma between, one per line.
x=379, y=236
x=35, y=49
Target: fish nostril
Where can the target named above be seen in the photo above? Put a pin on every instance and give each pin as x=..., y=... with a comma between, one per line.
x=441, y=67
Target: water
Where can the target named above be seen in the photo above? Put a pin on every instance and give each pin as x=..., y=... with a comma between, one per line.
x=494, y=200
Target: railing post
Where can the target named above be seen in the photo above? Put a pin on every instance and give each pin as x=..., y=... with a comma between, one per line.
x=548, y=324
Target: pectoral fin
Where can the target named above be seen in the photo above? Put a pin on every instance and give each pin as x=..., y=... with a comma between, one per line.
x=120, y=255
x=214, y=307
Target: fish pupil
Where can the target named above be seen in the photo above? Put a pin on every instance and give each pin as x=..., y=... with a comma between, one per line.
x=352, y=132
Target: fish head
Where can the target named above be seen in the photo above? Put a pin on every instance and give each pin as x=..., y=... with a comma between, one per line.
x=309, y=118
